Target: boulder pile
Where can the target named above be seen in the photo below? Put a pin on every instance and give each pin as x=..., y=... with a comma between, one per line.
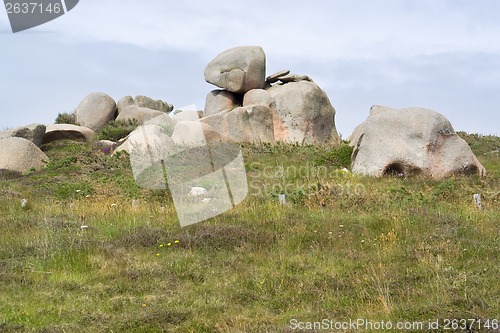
x=252, y=108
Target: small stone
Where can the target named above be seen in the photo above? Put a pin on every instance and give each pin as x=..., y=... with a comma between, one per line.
x=276, y=76
x=294, y=78
x=197, y=191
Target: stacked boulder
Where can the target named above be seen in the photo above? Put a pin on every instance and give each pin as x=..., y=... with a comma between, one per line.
x=250, y=108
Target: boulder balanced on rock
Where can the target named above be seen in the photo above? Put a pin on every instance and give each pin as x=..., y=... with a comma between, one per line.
x=410, y=141
x=238, y=70
x=298, y=110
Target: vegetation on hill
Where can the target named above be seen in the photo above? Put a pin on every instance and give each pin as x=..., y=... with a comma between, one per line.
x=92, y=252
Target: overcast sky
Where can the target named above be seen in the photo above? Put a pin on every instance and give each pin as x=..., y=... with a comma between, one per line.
x=438, y=54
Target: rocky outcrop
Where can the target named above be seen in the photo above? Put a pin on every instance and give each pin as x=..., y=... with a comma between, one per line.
x=20, y=155
x=282, y=107
x=238, y=70
x=252, y=124
x=143, y=102
x=410, y=141
x=195, y=133
x=147, y=102
x=95, y=111
x=138, y=114
x=33, y=133
x=68, y=132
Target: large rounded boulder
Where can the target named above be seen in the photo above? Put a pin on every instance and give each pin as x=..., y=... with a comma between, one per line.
x=20, y=155
x=410, y=141
x=238, y=70
x=95, y=111
x=303, y=113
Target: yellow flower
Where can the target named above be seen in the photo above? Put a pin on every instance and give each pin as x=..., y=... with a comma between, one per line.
x=161, y=245
x=157, y=254
x=176, y=241
x=169, y=244
x=144, y=305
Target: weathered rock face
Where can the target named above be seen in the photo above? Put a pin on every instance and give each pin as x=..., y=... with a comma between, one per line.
x=143, y=136
x=195, y=133
x=33, y=133
x=410, y=141
x=143, y=102
x=220, y=100
x=95, y=111
x=68, y=132
x=138, y=114
x=258, y=97
x=238, y=70
x=20, y=155
x=252, y=123
x=302, y=113
x=146, y=102
x=124, y=103
x=187, y=116
x=148, y=146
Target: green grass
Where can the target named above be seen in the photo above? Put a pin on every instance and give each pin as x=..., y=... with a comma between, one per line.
x=344, y=247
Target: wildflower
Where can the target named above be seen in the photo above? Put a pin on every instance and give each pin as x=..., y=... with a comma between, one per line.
x=161, y=245
x=157, y=254
x=168, y=244
x=176, y=241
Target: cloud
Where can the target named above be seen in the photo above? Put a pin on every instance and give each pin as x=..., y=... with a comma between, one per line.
x=437, y=54
x=320, y=30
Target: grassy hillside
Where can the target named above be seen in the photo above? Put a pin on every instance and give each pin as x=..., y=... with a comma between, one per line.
x=92, y=252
